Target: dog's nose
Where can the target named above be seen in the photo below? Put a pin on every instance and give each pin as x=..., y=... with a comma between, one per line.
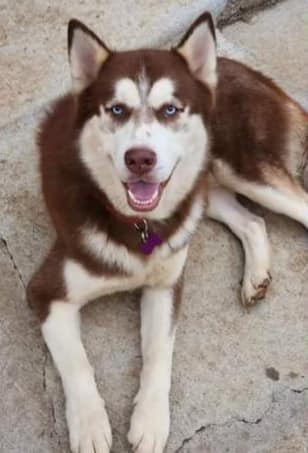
x=140, y=160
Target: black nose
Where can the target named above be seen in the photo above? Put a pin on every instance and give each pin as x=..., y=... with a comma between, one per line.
x=140, y=160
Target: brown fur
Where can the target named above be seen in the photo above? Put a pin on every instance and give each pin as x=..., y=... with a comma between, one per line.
x=47, y=283
x=177, y=298
x=72, y=198
x=257, y=138
x=252, y=124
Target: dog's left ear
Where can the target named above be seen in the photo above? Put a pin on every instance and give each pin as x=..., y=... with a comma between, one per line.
x=86, y=52
x=198, y=47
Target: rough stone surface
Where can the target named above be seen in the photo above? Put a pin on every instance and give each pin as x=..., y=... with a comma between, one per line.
x=243, y=10
x=26, y=418
x=224, y=398
x=271, y=433
x=277, y=38
x=33, y=40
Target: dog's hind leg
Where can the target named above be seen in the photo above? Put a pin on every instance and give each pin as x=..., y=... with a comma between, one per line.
x=250, y=229
x=277, y=191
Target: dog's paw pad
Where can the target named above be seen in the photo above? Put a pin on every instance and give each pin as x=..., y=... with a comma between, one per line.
x=149, y=427
x=254, y=290
x=89, y=427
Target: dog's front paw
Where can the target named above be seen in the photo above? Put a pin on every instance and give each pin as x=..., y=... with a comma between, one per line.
x=255, y=287
x=89, y=428
x=149, y=426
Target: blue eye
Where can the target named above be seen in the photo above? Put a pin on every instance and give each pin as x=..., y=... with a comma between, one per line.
x=170, y=110
x=116, y=110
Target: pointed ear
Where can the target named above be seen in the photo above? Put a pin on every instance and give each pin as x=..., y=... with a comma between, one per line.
x=198, y=47
x=86, y=52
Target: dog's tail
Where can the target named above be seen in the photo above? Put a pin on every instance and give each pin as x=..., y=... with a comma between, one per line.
x=304, y=107
x=299, y=136
x=305, y=159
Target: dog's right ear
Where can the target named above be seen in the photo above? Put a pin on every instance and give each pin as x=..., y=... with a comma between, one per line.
x=86, y=52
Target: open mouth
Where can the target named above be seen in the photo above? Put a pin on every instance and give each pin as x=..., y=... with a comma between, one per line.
x=143, y=196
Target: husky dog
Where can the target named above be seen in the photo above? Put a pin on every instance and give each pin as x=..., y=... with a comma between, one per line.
x=147, y=141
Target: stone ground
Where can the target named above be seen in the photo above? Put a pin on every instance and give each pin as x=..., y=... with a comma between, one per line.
x=240, y=378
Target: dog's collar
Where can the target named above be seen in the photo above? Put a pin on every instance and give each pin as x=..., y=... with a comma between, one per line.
x=151, y=234
x=149, y=239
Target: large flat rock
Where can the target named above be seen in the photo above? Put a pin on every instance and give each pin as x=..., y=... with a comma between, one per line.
x=33, y=51
x=26, y=420
x=282, y=428
x=277, y=38
x=243, y=10
x=240, y=379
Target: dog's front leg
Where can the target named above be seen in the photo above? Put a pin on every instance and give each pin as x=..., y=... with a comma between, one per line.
x=150, y=420
x=88, y=424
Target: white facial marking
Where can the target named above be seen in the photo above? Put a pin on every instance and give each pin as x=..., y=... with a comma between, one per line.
x=180, y=148
x=126, y=92
x=183, y=152
x=161, y=92
x=143, y=86
x=85, y=409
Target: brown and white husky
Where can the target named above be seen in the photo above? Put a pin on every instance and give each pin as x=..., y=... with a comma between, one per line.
x=147, y=141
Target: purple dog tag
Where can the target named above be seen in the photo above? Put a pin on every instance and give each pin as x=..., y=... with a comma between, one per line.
x=150, y=243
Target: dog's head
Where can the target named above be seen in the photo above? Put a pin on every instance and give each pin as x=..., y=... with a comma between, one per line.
x=143, y=117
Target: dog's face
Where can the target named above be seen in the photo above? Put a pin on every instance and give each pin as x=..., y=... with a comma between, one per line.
x=143, y=117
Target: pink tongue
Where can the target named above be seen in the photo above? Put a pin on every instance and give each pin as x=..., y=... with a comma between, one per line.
x=142, y=191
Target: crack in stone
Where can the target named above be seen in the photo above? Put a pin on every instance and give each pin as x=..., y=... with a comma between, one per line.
x=259, y=419
x=50, y=401
x=221, y=425
x=59, y=438
x=54, y=417
x=200, y=430
x=12, y=259
x=303, y=390
x=45, y=370
x=237, y=420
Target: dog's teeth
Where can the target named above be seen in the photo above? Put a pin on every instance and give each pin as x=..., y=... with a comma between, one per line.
x=143, y=203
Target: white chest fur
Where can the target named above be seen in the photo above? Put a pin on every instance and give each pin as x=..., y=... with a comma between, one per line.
x=82, y=286
x=161, y=269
